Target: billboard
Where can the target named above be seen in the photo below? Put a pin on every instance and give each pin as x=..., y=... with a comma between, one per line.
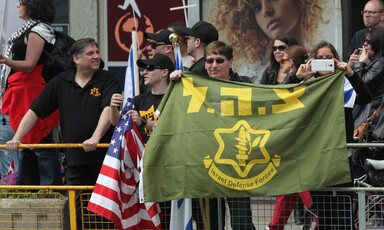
x=251, y=26
x=149, y=16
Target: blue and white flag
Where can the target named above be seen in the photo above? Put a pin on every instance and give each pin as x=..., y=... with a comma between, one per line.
x=349, y=94
x=178, y=59
x=129, y=85
x=181, y=214
x=181, y=210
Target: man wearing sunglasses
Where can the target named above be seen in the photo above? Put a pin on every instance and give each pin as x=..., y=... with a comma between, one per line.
x=198, y=37
x=156, y=73
x=373, y=16
x=218, y=63
x=159, y=43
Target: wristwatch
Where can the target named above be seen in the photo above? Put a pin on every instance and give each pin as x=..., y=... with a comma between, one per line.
x=143, y=122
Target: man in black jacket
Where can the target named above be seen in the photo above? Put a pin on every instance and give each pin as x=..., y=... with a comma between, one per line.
x=198, y=37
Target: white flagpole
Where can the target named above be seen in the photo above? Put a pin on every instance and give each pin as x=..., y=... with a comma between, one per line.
x=135, y=67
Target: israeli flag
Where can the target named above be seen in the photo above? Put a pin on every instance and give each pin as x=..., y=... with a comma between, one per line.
x=178, y=59
x=349, y=94
x=181, y=214
x=181, y=210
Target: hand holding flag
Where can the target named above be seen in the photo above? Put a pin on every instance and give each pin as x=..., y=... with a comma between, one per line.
x=115, y=195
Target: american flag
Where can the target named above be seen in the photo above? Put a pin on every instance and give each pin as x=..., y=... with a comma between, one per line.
x=115, y=195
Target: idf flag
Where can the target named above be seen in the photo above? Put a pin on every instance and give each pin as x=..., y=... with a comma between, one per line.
x=218, y=138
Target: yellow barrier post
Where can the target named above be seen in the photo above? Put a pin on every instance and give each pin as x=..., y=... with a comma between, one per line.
x=72, y=208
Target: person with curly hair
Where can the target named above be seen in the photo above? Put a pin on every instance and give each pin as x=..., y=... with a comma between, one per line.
x=21, y=82
x=250, y=26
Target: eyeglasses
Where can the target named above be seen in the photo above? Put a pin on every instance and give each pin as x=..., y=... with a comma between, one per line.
x=281, y=48
x=285, y=60
x=154, y=45
x=370, y=12
x=152, y=67
x=321, y=57
x=218, y=60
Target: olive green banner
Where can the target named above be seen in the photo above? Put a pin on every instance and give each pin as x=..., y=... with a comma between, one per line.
x=220, y=138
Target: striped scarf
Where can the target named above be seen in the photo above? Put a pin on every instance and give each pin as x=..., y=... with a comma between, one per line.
x=5, y=70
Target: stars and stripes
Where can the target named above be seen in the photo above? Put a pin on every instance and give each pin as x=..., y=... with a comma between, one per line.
x=115, y=195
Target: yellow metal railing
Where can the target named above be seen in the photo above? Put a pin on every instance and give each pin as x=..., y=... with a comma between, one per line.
x=15, y=195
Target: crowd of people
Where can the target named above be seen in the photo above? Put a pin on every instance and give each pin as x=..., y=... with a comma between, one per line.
x=85, y=101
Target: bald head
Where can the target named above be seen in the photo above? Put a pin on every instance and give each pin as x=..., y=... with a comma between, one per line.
x=374, y=14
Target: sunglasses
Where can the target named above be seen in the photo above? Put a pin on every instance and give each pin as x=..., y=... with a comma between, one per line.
x=368, y=41
x=281, y=48
x=154, y=45
x=218, y=60
x=284, y=61
x=22, y=1
x=152, y=67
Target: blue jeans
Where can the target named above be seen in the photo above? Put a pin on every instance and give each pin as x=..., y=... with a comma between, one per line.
x=40, y=166
x=6, y=156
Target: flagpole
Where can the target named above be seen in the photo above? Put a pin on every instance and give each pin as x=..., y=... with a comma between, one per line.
x=135, y=67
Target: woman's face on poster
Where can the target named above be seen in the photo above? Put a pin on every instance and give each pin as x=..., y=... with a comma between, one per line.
x=277, y=17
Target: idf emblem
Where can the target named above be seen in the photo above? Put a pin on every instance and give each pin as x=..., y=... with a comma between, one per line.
x=95, y=92
x=243, y=150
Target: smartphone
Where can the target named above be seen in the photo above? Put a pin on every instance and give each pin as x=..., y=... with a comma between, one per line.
x=360, y=50
x=323, y=65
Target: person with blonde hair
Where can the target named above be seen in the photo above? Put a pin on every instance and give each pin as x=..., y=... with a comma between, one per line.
x=250, y=26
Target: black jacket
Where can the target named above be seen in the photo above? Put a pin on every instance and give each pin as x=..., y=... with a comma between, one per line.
x=373, y=76
x=357, y=41
x=270, y=77
x=199, y=67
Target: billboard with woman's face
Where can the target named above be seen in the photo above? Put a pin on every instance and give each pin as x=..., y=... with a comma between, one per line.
x=250, y=26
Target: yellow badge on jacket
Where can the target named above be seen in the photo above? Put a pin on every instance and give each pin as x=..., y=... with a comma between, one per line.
x=95, y=92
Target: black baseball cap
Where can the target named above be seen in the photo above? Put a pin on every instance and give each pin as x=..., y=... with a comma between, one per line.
x=205, y=31
x=160, y=36
x=157, y=59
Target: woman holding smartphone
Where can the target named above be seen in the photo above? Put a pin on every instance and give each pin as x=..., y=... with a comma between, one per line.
x=336, y=216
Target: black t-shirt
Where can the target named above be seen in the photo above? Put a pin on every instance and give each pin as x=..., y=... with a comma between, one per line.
x=80, y=110
x=146, y=105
